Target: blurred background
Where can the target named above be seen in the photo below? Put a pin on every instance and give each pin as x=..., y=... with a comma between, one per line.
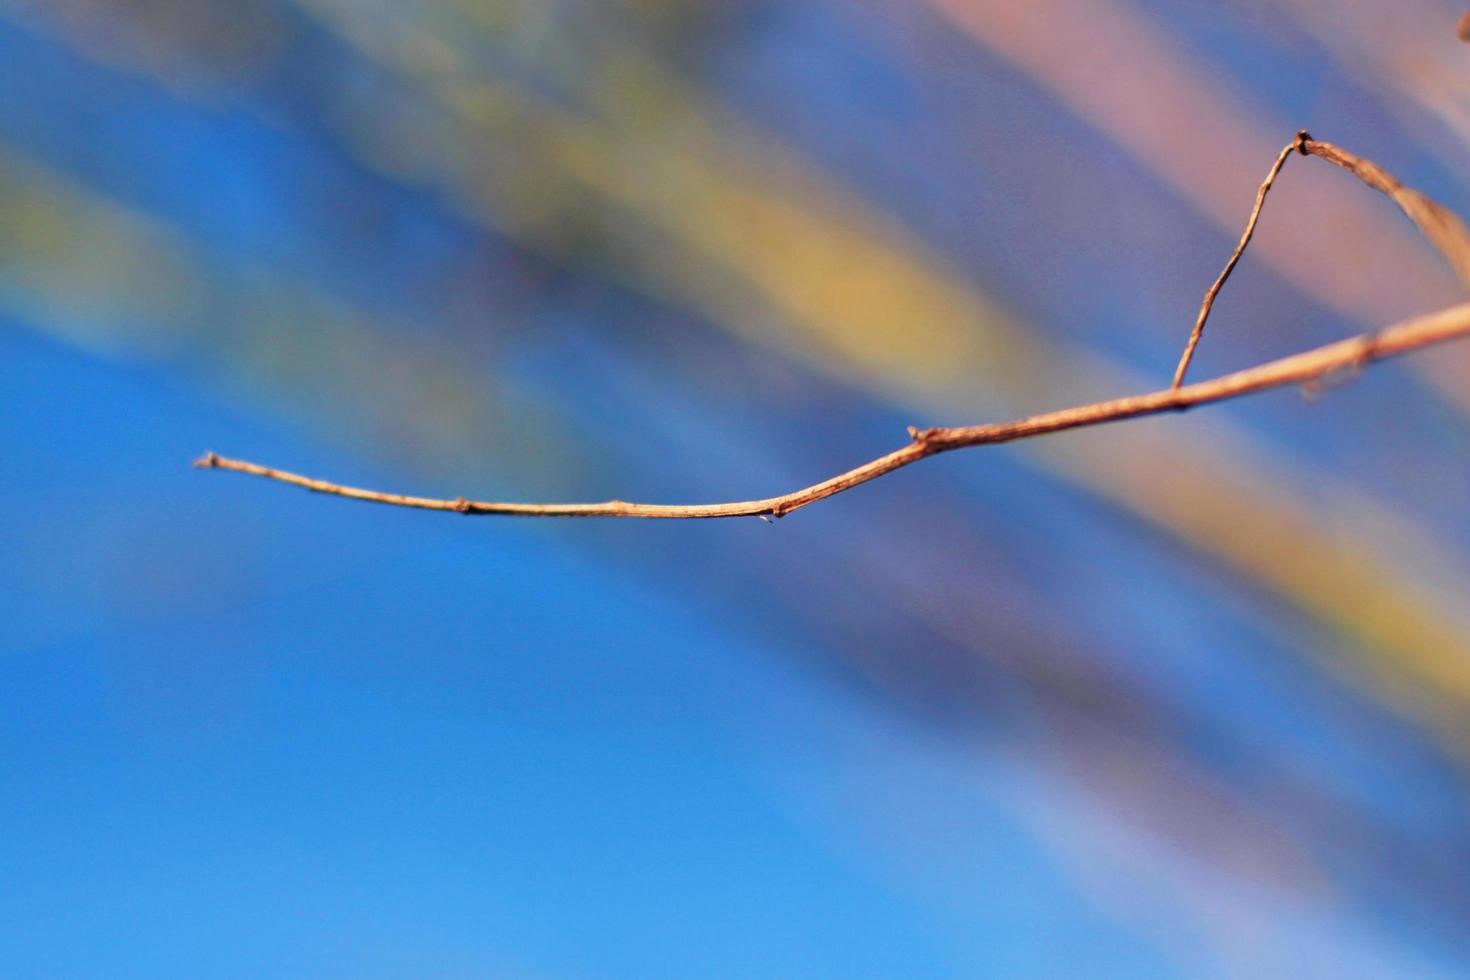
x=1182, y=697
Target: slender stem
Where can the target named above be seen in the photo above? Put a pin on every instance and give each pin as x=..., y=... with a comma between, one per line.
x=1441, y=226
x=1444, y=229
x=1245, y=239
x=1320, y=363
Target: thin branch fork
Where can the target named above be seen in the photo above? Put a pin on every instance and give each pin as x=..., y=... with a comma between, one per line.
x=1437, y=223
x=1345, y=357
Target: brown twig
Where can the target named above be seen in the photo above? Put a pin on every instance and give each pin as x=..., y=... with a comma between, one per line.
x=1444, y=230
x=1245, y=239
x=1308, y=366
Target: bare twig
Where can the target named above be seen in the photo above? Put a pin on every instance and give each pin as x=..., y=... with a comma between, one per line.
x=1437, y=223
x=1443, y=229
x=1308, y=366
x=1245, y=239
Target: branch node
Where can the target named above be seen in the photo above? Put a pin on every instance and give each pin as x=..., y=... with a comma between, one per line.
x=463, y=506
x=921, y=436
x=208, y=461
x=1349, y=371
x=1367, y=352
x=1302, y=139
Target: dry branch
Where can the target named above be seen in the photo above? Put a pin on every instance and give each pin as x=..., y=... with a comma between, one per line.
x=1245, y=239
x=1437, y=223
x=1441, y=226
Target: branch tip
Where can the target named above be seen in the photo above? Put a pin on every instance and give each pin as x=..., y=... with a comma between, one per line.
x=208, y=461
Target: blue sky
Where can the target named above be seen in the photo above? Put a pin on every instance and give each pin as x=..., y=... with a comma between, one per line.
x=1006, y=713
